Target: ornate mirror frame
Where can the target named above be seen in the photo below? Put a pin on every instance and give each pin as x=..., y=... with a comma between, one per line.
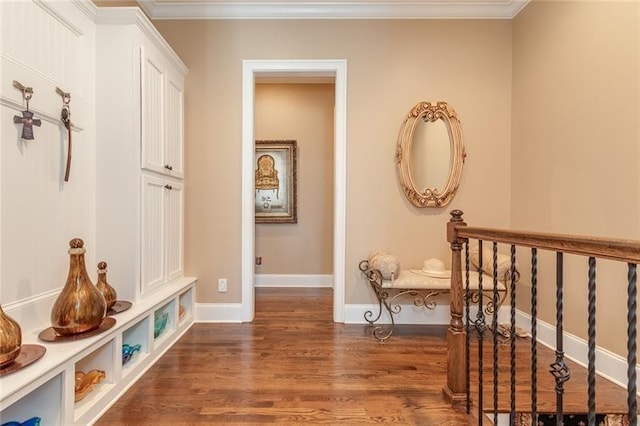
x=425, y=111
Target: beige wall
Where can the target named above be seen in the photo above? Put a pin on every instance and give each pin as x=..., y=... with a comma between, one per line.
x=304, y=113
x=575, y=145
x=392, y=65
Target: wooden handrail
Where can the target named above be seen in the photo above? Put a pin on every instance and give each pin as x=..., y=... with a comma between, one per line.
x=606, y=248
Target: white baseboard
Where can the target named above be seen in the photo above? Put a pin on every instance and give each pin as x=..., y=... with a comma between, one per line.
x=293, y=280
x=218, y=312
x=608, y=364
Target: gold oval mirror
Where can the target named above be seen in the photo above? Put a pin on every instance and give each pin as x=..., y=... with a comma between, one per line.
x=430, y=154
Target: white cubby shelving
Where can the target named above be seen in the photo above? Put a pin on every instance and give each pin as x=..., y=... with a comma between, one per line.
x=45, y=388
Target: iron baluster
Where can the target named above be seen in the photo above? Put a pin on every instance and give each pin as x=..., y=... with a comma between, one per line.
x=467, y=326
x=632, y=404
x=480, y=328
x=534, y=336
x=591, y=353
x=494, y=328
x=512, y=335
x=559, y=369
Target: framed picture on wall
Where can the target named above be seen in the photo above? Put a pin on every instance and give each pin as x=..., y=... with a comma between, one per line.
x=275, y=182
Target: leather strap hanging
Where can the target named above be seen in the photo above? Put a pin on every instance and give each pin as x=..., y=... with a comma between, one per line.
x=65, y=116
x=66, y=119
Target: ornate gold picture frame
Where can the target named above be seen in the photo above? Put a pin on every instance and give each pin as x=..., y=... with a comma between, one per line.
x=276, y=182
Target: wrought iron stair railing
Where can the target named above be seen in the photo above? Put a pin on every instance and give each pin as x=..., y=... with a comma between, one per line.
x=458, y=387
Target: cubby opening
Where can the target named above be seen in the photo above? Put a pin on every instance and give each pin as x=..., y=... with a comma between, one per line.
x=164, y=321
x=45, y=402
x=185, y=304
x=90, y=391
x=138, y=334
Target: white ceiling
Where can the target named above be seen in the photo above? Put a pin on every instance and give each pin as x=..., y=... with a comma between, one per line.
x=332, y=9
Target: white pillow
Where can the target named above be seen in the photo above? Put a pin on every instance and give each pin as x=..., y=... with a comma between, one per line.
x=504, y=263
x=387, y=264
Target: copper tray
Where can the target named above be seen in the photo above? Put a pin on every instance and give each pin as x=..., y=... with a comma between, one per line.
x=50, y=335
x=119, y=306
x=28, y=355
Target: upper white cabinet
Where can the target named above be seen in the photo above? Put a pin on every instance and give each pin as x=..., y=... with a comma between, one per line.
x=140, y=101
x=162, y=114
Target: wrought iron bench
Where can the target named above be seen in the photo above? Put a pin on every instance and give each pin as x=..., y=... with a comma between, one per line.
x=423, y=289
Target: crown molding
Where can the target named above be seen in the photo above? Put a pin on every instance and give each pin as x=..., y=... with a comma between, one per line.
x=87, y=7
x=325, y=9
x=134, y=16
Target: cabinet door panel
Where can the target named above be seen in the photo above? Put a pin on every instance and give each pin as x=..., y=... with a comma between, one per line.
x=152, y=107
x=174, y=127
x=173, y=211
x=152, y=238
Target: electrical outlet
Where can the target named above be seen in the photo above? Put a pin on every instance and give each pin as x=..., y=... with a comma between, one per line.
x=222, y=285
x=259, y=260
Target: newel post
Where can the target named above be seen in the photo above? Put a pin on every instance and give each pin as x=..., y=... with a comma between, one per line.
x=455, y=390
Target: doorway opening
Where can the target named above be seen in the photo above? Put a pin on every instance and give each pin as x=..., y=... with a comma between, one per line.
x=293, y=126
x=299, y=70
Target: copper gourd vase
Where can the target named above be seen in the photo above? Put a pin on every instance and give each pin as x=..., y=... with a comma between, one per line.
x=80, y=307
x=10, y=339
x=108, y=292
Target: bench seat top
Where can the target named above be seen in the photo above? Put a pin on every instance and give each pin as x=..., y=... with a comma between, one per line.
x=416, y=279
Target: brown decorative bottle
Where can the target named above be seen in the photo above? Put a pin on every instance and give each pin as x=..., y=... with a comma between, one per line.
x=80, y=307
x=108, y=292
x=10, y=339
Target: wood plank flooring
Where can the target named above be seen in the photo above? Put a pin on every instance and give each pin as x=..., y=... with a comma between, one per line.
x=293, y=365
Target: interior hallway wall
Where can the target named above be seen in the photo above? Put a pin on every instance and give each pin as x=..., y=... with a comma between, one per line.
x=575, y=150
x=304, y=113
x=40, y=211
x=392, y=65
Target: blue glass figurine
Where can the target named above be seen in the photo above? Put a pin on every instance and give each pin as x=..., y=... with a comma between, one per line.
x=128, y=351
x=34, y=421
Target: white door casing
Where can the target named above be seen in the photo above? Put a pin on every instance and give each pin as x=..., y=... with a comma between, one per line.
x=294, y=68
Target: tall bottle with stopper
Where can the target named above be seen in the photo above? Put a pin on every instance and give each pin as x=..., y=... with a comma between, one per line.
x=80, y=307
x=108, y=292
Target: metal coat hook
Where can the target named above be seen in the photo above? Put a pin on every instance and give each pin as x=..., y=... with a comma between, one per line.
x=26, y=119
x=66, y=97
x=27, y=92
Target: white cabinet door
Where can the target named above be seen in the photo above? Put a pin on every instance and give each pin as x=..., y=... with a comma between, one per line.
x=162, y=230
x=174, y=127
x=152, y=271
x=173, y=229
x=162, y=106
x=152, y=85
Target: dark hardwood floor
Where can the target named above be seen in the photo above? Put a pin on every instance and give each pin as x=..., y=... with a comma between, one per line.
x=293, y=365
